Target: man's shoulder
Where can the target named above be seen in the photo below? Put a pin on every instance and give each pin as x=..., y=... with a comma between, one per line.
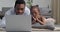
x=9, y=11
x=26, y=8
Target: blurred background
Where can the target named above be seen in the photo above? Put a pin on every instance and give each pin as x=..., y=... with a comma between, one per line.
x=49, y=8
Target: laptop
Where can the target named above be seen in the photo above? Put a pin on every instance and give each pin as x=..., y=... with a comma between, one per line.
x=18, y=23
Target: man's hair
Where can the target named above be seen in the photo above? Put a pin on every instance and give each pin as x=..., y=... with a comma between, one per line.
x=19, y=2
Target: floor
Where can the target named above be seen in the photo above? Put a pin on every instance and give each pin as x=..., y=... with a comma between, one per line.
x=57, y=29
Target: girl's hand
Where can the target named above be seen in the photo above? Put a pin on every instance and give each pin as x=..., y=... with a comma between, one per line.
x=39, y=21
x=34, y=19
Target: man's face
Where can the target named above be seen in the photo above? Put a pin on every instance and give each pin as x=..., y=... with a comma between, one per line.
x=19, y=9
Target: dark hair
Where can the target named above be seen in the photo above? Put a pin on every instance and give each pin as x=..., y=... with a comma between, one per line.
x=19, y=2
x=36, y=6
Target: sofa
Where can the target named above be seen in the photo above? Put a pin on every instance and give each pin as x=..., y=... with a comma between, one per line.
x=46, y=12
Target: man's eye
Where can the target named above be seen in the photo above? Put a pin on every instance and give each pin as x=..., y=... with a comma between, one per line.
x=22, y=9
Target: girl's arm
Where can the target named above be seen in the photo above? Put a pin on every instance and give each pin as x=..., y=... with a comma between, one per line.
x=43, y=21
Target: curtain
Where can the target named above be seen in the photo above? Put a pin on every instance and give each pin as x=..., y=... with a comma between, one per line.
x=56, y=10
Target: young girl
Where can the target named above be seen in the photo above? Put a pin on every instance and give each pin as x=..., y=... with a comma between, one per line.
x=36, y=16
x=41, y=20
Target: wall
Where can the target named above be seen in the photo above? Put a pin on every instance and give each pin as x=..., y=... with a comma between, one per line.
x=6, y=3
x=41, y=3
x=10, y=3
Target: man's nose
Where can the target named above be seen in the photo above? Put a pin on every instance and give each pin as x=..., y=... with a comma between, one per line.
x=20, y=11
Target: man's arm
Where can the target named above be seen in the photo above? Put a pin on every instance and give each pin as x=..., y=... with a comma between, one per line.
x=10, y=11
x=3, y=21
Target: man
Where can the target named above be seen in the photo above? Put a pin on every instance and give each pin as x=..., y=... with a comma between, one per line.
x=19, y=9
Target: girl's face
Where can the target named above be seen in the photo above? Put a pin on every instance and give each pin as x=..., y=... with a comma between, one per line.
x=35, y=11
